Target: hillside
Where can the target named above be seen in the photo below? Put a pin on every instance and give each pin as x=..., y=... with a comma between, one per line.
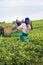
x=15, y=52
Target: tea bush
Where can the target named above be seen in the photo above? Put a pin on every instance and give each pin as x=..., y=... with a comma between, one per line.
x=15, y=52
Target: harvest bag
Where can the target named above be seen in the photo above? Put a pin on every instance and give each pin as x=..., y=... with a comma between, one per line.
x=16, y=34
x=24, y=37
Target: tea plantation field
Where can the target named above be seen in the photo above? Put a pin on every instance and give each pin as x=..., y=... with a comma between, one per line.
x=15, y=52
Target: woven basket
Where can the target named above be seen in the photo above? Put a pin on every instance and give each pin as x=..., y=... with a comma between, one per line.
x=7, y=31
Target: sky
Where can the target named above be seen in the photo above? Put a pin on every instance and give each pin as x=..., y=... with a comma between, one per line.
x=19, y=9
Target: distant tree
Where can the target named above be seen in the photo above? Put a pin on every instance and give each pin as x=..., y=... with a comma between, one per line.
x=3, y=22
x=0, y=22
x=13, y=22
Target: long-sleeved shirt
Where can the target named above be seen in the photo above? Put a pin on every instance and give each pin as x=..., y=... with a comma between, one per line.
x=15, y=27
x=24, y=28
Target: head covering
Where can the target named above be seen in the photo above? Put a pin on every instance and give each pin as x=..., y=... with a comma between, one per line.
x=16, y=20
x=27, y=20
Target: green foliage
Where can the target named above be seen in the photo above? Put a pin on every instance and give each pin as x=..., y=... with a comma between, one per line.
x=15, y=52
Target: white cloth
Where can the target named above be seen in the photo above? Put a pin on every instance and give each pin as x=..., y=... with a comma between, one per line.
x=23, y=28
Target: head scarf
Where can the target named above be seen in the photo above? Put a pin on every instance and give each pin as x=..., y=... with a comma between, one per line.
x=26, y=20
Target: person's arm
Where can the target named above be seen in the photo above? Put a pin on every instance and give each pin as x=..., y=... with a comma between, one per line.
x=29, y=27
x=14, y=27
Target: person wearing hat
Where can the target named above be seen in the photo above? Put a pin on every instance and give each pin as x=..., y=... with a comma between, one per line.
x=16, y=25
x=25, y=27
